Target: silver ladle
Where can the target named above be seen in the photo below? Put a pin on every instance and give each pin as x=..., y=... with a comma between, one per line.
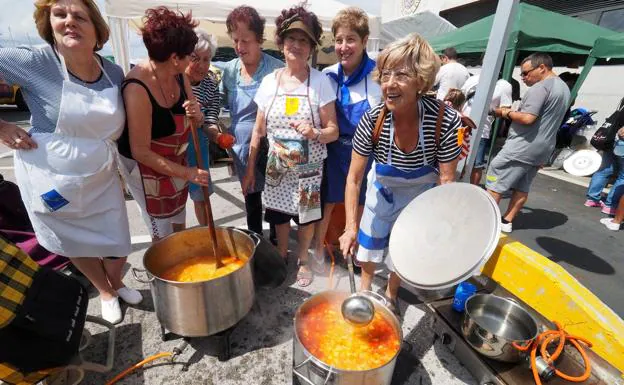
x=357, y=309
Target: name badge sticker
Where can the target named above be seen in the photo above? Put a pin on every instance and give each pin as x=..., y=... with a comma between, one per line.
x=292, y=106
x=53, y=200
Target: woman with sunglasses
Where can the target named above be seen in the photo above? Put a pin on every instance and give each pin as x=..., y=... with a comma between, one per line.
x=414, y=148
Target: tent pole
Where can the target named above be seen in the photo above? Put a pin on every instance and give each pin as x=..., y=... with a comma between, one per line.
x=510, y=62
x=499, y=36
x=589, y=63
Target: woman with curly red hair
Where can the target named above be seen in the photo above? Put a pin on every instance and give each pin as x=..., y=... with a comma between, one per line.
x=296, y=111
x=159, y=101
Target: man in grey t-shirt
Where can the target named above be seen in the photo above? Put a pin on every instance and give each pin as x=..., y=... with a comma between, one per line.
x=532, y=134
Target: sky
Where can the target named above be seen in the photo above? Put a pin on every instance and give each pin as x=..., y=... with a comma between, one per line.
x=22, y=27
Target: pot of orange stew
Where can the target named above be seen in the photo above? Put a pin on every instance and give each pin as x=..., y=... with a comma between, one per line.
x=193, y=298
x=329, y=351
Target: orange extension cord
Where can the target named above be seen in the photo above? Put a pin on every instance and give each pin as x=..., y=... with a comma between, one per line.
x=546, y=338
x=137, y=366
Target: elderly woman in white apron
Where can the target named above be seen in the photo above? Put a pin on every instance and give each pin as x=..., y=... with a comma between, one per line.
x=67, y=168
x=296, y=110
x=413, y=140
x=239, y=84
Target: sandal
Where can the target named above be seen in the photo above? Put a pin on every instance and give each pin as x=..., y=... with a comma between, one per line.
x=304, y=277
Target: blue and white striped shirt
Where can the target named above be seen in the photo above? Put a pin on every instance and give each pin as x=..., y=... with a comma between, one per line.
x=38, y=72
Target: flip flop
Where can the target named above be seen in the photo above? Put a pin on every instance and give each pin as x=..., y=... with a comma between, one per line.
x=304, y=278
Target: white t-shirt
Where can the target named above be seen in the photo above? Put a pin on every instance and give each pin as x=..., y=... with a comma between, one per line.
x=451, y=75
x=358, y=91
x=321, y=91
x=500, y=98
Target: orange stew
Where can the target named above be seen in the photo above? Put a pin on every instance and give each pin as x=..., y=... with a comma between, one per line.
x=327, y=336
x=201, y=269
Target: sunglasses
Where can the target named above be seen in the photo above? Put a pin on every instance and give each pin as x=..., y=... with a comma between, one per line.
x=525, y=73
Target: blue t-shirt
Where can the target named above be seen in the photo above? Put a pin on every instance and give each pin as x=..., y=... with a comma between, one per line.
x=38, y=72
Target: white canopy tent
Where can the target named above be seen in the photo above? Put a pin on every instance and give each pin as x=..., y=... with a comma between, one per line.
x=124, y=15
x=426, y=23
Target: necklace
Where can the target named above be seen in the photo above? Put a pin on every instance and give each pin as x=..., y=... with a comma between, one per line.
x=162, y=91
x=88, y=76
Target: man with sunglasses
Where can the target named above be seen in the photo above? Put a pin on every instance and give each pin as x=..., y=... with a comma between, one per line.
x=532, y=134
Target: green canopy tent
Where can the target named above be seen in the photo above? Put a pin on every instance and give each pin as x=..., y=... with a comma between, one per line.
x=611, y=47
x=534, y=30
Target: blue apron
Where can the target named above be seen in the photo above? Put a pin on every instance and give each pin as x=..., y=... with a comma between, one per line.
x=339, y=152
x=389, y=190
x=243, y=111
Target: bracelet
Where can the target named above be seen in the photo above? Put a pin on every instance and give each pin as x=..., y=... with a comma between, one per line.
x=508, y=117
x=318, y=135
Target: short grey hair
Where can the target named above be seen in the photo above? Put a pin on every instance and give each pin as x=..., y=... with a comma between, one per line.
x=539, y=58
x=205, y=42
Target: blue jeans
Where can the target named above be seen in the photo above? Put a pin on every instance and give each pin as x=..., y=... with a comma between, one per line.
x=611, y=164
x=482, y=150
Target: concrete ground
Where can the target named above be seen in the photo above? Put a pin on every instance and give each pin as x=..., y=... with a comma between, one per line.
x=554, y=223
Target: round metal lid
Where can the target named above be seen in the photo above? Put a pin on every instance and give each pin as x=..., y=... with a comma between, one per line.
x=445, y=235
x=582, y=163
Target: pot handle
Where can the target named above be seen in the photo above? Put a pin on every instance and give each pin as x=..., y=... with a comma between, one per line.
x=136, y=272
x=306, y=379
x=256, y=238
x=376, y=296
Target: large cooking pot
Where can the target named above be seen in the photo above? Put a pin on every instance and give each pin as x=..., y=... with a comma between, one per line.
x=198, y=309
x=498, y=327
x=310, y=370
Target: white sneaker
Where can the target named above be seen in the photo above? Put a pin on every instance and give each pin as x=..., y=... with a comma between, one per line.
x=608, y=222
x=130, y=296
x=506, y=227
x=111, y=311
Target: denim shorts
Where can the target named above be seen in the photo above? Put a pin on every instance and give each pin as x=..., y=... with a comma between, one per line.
x=484, y=147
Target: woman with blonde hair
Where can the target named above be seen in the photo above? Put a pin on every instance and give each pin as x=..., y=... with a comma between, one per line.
x=66, y=166
x=356, y=92
x=296, y=112
x=413, y=141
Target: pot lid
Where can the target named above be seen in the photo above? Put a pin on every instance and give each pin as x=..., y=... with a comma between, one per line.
x=445, y=235
x=582, y=163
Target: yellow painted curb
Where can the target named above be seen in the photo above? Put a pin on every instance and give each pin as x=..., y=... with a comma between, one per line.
x=553, y=292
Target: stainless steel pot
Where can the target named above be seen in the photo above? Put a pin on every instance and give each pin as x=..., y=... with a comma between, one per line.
x=310, y=370
x=496, y=326
x=198, y=309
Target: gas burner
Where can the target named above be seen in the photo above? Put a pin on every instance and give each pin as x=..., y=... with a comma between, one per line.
x=446, y=325
x=222, y=339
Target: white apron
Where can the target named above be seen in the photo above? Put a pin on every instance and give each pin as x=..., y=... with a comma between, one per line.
x=70, y=184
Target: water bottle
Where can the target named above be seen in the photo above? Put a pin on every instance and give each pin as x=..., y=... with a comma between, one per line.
x=462, y=293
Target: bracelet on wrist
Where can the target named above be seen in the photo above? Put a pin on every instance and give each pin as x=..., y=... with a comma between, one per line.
x=318, y=135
